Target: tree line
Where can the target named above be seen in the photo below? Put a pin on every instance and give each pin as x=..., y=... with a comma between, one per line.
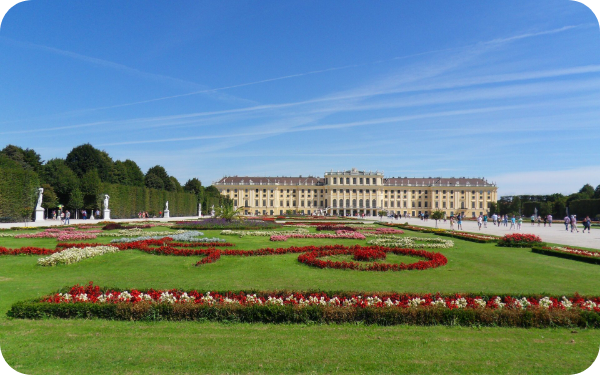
x=586, y=202
x=77, y=180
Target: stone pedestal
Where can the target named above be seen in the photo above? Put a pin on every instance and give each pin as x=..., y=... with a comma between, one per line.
x=166, y=214
x=106, y=214
x=39, y=214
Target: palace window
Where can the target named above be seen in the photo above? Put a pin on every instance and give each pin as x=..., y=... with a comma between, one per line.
x=354, y=181
x=374, y=203
x=335, y=203
x=347, y=202
x=256, y=203
x=367, y=180
x=271, y=204
x=264, y=203
x=360, y=203
x=347, y=180
x=335, y=180
x=360, y=181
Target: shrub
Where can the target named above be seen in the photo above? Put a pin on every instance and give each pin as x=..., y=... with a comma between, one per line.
x=519, y=240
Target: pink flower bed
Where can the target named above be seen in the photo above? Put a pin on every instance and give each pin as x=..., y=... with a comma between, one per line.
x=62, y=234
x=385, y=231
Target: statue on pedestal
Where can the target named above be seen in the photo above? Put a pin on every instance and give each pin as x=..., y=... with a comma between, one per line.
x=40, y=196
x=106, y=198
x=212, y=211
x=167, y=206
x=200, y=209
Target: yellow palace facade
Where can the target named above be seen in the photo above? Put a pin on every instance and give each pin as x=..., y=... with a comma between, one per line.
x=354, y=192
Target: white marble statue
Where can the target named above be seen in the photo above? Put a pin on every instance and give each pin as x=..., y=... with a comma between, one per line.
x=106, y=198
x=167, y=206
x=212, y=210
x=40, y=195
x=200, y=209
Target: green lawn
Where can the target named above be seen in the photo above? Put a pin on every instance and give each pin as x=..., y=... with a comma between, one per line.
x=79, y=346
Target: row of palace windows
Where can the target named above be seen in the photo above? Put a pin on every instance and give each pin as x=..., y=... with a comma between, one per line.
x=282, y=203
x=354, y=180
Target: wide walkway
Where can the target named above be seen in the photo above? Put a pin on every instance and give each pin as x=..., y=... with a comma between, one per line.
x=555, y=234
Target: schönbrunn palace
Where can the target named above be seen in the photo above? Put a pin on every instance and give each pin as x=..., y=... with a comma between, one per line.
x=356, y=192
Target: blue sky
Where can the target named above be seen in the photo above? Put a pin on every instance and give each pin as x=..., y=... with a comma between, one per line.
x=505, y=90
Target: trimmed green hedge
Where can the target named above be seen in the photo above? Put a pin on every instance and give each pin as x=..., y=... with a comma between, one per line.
x=18, y=193
x=585, y=207
x=126, y=201
x=384, y=316
x=562, y=254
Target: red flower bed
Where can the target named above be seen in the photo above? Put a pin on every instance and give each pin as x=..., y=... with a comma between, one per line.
x=368, y=255
x=519, y=240
x=28, y=250
x=435, y=259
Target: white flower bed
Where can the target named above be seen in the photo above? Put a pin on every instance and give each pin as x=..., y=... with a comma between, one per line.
x=411, y=242
x=135, y=232
x=263, y=233
x=186, y=236
x=74, y=255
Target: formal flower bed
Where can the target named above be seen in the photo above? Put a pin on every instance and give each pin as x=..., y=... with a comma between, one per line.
x=214, y=223
x=91, y=301
x=380, y=230
x=569, y=253
x=519, y=240
x=335, y=228
x=312, y=259
x=74, y=255
x=470, y=237
x=61, y=234
x=264, y=233
x=28, y=250
x=368, y=255
x=412, y=242
x=339, y=235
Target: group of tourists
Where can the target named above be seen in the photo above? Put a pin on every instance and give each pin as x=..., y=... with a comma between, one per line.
x=65, y=216
x=143, y=215
x=572, y=222
x=547, y=220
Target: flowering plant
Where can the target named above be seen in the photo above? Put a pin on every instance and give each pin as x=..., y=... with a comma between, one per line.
x=341, y=234
x=74, y=255
x=412, y=242
x=519, y=240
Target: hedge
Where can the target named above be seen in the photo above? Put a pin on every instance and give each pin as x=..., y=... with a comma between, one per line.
x=585, y=207
x=384, y=316
x=562, y=254
x=18, y=193
x=126, y=201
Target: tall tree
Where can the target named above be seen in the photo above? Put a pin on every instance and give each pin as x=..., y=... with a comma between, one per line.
x=90, y=188
x=27, y=159
x=193, y=186
x=597, y=192
x=154, y=182
x=49, y=199
x=586, y=192
x=63, y=180
x=159, y=172
x=120, y=173
x=135, y=176
x=84, y=158
x=176, y=185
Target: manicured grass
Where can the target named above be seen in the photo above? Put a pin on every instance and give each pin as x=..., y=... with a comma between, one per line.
x=79, y=346
x=100, y=347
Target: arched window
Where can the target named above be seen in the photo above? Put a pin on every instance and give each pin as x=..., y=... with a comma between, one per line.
x=360, y=203
x=353, y=202
x=374, y=203
x=335, y=203
x=347, y=202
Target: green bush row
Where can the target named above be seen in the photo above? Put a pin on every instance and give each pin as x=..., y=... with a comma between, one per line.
x=562, y=254
x=384, y=316
x=126, y=201
x=18, y=193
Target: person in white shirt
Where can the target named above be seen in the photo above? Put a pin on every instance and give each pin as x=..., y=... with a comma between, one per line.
x=479, y=221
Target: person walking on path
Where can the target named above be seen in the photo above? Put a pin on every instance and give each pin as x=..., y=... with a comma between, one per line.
x=512, y=222
x=62, y=217
x=539, y=221
x=532, y=220
x=479, y=221
x=451, y=222
x=485, y=219
x=505, y=220
x=567, y=222
x=545, y=220
x=587, y=224
x=67, y=217
x=519, y=223
x=574, y=223
x=459, y=223
x=549, y=220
